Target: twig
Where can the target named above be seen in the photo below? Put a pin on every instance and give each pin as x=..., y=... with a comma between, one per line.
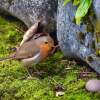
x=55, y=47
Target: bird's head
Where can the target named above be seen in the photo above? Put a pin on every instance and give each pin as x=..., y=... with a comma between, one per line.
x=45, y=42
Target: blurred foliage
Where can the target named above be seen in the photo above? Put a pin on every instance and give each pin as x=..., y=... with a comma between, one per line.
x=82, y=10
x=55, y=70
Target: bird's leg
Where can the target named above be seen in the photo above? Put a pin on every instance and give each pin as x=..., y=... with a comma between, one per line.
x=36, y=70
x=29, y=72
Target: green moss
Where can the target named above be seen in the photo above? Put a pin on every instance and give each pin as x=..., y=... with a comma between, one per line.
x=14, y=84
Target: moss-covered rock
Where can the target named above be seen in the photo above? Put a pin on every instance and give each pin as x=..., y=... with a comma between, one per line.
x=14, y=84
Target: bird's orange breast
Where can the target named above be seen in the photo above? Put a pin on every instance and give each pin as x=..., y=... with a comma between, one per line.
x=45, y=50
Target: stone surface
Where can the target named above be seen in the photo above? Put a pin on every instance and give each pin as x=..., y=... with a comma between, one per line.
x=68, y=34
x=93, y=85
x=29, y=10
x=96, y=6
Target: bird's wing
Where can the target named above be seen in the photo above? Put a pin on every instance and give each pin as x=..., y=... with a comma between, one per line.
x=29, y=61
x=27, y=50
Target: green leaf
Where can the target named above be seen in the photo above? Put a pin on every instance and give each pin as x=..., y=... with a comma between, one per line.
x=66, y=1
x=76, y=2
x=82, y=10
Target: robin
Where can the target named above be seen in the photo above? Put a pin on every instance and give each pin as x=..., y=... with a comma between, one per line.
x=33, y=51
x=35, y=46
x=40, y=46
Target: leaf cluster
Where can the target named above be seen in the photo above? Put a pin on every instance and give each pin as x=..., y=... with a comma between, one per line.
x=82, y=10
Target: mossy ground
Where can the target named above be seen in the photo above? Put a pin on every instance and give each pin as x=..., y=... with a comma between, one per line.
x=14, y=84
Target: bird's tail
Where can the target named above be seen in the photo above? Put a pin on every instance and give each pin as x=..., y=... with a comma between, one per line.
x=7, y=58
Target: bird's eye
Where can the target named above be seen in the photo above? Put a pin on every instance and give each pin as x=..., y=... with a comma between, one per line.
x=46, y=42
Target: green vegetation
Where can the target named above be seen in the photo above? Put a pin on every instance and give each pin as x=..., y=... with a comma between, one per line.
x=14, y=82
x=82, y=10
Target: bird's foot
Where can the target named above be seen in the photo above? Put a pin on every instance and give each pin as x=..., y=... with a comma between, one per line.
x=31, y=77
x=30, y=73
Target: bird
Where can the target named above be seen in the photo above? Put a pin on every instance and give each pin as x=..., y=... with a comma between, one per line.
x=41, y=45
x=35, y=46
x=33, y=51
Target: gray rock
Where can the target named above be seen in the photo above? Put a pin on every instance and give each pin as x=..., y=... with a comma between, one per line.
x=93, y=85
x=96, y=6
x=29, y=10
x=68, y=37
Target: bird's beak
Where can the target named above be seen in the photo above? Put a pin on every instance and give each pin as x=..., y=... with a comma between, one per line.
x=52, y=46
